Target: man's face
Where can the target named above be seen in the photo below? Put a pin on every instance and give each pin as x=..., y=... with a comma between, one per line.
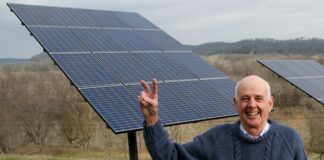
x=253, y=103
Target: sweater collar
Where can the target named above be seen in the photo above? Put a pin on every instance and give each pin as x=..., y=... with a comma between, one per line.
x=264, y=130
x=266, y=135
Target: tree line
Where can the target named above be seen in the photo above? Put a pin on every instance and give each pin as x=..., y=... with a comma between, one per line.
x=259, y=46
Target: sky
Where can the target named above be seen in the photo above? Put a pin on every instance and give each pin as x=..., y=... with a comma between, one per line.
x=189, y=21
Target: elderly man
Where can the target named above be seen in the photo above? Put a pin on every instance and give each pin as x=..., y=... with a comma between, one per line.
x=253, y=137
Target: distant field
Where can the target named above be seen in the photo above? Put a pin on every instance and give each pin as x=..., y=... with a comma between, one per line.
x=75, y=156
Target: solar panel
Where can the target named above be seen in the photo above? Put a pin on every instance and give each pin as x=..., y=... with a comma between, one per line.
x=57, y=39
x=84, y=69
x=163, y=66
x=35, y=15
x=107, y=19
x=125, y=66
x=224, y=87
x=172, y=108
x=106, y=53
x=131, y=40
x=116, y=106
x=307, y=75
x=203, y=98
x=135, y=20
x=97, y=40
x=162, y=40
x=195, y=65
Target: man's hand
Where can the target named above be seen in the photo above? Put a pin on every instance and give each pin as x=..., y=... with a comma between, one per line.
x=149, y=102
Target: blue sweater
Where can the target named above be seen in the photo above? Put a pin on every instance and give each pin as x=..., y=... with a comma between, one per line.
x=227, y=142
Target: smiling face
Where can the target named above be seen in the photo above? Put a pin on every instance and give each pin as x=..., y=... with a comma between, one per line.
x=253, y=103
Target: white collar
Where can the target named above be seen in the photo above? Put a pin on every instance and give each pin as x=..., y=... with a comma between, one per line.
x=265, y=129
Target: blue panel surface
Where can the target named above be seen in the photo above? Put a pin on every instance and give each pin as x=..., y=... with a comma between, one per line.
x=162, y=40
x=57, y=39
x=135, y=20
x=294, y=68
x=131, y=40
x=312, y=86
x=107, y=19
x=117, y=106
x=223, y=87
x=195, y=64
x=97, y=40
x=125, y=66
x=172, y=108
x=84, y=69
x=164, y=67
x=37, y=15
x=53, y=16
x=204, y=99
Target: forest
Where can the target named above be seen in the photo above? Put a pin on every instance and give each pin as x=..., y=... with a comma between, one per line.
x=43, y=114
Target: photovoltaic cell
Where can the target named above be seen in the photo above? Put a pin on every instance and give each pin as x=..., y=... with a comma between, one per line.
x=53, y=16
x=125, y=66
x=172, y=108
x=37, y=15
x=84, y=69
x=117, y=106
x=131, y=40
x=135, y=20
x=97, y=40
x=294, y=68
x=312, y=86
x=307, y=75
x=195, y=64
x=57, y=39
x=204, y=99
x=162, y=40
x=107, y=19
x=223, y=87
x=163, y=66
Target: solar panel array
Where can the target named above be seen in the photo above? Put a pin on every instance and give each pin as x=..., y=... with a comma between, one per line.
x=307, y=75
x=106, y=53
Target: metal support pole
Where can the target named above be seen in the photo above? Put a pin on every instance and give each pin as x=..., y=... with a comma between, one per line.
x=132, y=145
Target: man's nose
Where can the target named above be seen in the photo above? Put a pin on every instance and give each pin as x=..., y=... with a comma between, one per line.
x=252, y=102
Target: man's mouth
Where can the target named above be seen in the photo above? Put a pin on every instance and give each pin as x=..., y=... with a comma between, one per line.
x=252, y=113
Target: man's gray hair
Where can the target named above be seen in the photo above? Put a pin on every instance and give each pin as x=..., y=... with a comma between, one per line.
x=267, y=88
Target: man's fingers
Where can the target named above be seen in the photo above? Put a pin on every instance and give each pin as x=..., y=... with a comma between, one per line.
x=155, y=87
x=145, y=86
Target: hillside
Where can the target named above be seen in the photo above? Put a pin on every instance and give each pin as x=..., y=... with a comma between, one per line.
x=12, y=60
x=260, y=46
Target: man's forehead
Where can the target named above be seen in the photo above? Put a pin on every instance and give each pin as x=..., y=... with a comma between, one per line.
x=253, y=86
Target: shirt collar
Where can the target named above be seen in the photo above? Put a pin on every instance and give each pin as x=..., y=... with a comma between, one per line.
x=265, y=129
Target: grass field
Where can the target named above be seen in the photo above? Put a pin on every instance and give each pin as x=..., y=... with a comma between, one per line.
x=85, y=155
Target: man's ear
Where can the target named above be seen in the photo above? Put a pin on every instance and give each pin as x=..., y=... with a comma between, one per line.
x=235, y=101
x=271, y=103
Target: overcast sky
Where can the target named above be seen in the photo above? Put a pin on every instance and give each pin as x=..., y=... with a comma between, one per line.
x=189, y=21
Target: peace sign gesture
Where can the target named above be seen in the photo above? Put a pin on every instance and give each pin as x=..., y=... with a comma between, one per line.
x=149, y=102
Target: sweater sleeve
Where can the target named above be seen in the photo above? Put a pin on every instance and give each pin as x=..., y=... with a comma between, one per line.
x=161, y=147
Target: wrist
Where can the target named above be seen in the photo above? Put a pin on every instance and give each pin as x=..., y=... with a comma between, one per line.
x=151, y=120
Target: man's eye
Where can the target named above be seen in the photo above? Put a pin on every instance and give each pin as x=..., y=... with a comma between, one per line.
x=259, y=98
x=244, y=99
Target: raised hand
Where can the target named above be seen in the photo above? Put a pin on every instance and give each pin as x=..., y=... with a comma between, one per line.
x=149, y=102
